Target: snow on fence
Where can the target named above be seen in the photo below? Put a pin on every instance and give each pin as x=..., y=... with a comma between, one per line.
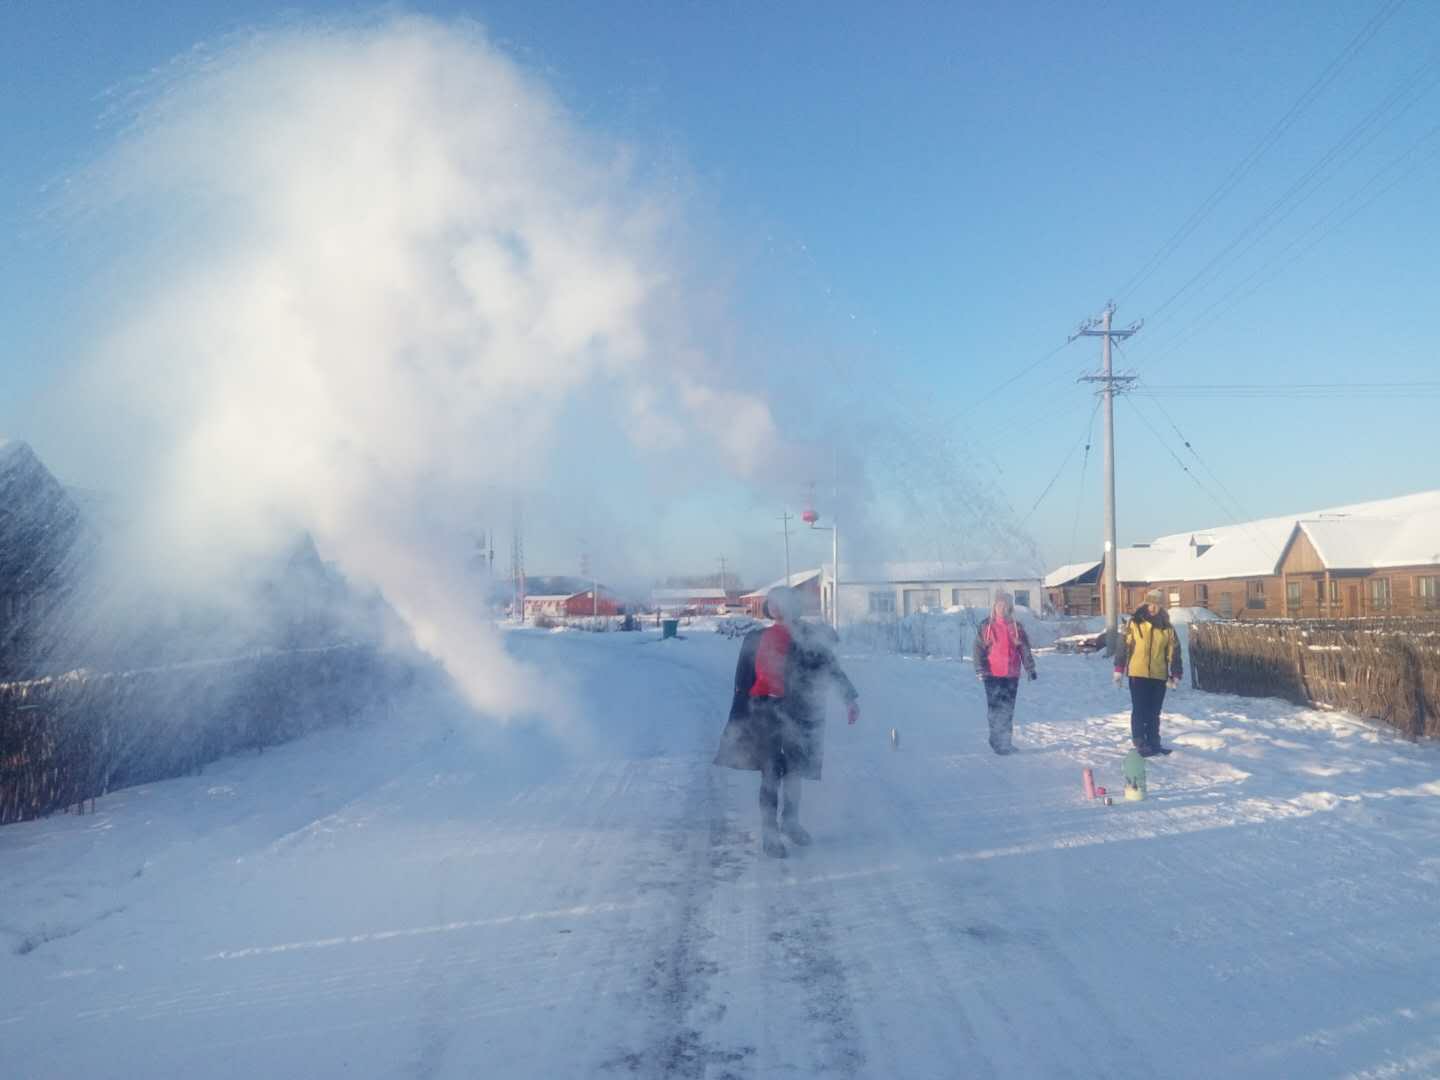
x=1387, y=669
x=941, y=634
x=74, y=737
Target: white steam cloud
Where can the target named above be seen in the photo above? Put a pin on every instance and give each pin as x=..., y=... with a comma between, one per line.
x=367, y=268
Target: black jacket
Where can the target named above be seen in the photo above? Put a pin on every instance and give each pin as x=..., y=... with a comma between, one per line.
x=792, y=726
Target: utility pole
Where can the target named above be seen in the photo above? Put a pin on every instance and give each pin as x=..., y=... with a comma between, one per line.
x=1109, y=383
x=785, y=518
x=722, y=573
x=517, y=561
x=587, y=571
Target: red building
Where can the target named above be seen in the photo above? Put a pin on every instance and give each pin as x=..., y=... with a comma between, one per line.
x=806, y=582
x=584, y=603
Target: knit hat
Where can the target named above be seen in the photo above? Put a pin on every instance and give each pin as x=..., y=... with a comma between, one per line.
x=783, y=603
x=1154, y=596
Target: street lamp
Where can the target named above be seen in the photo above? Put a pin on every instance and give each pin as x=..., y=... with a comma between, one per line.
x=810, y=517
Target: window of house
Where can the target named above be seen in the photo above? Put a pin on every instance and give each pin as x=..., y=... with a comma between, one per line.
x=1227, y=606
x=1379, y=593
x=921, y=600
x=1255, y=594
x=1428, y=590
x=1022, y=598
x=1320, y=591
x=1334, y=591
x=1293, y=594
x=882, y=603
x=1202, y=595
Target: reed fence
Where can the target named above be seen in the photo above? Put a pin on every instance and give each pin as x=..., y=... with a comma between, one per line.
x=74, y=737
x=1385, y=669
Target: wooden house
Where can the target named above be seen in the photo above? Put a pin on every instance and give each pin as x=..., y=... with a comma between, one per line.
x=1366, y=559
x=1074, y=590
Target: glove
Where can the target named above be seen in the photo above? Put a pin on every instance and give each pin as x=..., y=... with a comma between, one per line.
x=853, y=713
x=1117, y=677
x=1033, y=676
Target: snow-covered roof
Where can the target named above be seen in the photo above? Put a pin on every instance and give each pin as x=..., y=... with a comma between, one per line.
x=795, y=580
x=1065, y=574
x=898, y=573
x=1403, y=531
x=1371, y=543
x=688, y=594
x=538, y=598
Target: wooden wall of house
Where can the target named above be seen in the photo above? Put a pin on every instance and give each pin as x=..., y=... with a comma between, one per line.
x=1365, y=593
x=1235, y=598
x=1301, y=557
x=1075, y=600
x=1321, y=594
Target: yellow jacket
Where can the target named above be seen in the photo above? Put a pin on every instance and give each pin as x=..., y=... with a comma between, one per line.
x=1151, y=652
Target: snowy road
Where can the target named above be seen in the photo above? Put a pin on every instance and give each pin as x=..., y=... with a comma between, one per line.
x=423, y=898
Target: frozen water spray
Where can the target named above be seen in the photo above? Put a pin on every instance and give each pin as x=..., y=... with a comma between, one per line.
x=365, y=270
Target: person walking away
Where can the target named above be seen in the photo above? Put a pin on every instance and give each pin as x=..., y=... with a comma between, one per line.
x=1151, y=658
x=1002, y=649
x=777, y=713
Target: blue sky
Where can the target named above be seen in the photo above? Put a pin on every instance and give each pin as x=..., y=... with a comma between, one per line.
x=912, y=203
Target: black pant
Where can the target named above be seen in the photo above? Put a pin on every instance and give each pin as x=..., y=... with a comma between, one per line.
x=1147, y=696
x=1000, y=709
x=774, y=770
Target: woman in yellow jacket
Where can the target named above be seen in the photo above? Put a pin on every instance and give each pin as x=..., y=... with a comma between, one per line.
x=1151, y=657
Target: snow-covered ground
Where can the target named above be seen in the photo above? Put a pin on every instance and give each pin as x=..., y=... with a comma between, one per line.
x=426, y=896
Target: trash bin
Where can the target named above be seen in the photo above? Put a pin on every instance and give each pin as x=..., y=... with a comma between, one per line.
x=669, y=628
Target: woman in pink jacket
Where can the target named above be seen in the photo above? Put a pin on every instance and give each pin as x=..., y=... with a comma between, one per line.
x=1001, y=650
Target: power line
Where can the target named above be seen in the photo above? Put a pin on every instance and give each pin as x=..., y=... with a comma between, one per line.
x=983, y=398
x=1300, y=190
x=1243, y=526
x=1276, y=132
x=1234, y=502
x=1327, y=224
x=1308, y=391
x=1086, y=439
x=1080, y=487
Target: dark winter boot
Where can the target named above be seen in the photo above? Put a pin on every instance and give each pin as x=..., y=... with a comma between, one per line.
x=770, y=841
x=790, y=817
x=795, y=832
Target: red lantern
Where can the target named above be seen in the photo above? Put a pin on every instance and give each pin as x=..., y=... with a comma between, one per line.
x=809, y=517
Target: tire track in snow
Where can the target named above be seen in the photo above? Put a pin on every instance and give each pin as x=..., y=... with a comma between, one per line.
x=702, y=851
x=804, y=955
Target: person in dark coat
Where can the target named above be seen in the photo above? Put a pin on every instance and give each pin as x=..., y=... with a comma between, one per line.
x=1002, y=648
x=777, y=714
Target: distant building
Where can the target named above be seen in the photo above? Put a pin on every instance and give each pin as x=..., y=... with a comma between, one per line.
x=1365, y=559
x=806, y=581
x=584, y=603
x=572, y=605
x=551, y=605
x=697, y=601
x=1074, y=590
x=896, y=589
